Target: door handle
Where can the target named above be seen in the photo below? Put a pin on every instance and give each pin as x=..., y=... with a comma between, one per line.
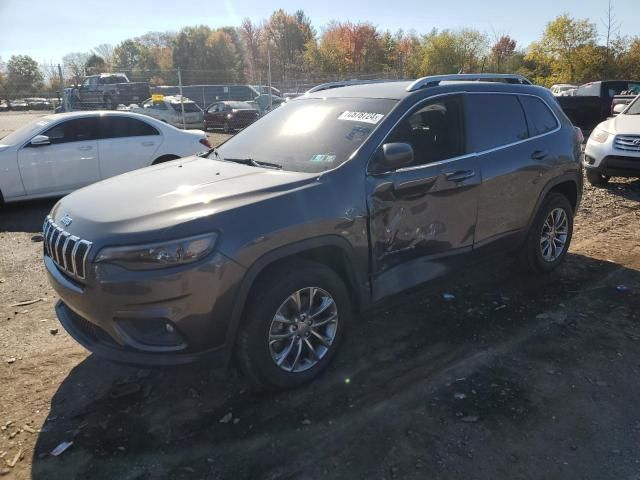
x=460, y=175
x=148, y=144
x=85, y=148
x=539, y=155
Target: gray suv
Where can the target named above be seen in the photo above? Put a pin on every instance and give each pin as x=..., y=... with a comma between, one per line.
x=262, y=250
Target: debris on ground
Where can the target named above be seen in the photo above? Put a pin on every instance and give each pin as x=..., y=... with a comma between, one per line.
x=227, y=418
x=470, y=418
x=61, y=448
x=459, y=396
x=448, y=297
x=11, y=360
x=623, y=289
x=37, y=238
x=53, y=331
x=14, y=460
x=26, y=302
x=306, y=421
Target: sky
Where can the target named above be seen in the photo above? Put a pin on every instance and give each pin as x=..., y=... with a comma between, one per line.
x=47, y=30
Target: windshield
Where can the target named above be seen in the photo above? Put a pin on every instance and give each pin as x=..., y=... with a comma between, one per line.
x=634, y=108
x=309, y=135
x=25, y=132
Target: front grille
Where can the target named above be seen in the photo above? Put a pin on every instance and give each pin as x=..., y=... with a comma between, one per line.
x=67, y=251
x=628, y=143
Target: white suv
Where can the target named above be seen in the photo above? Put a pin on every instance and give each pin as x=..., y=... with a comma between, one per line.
x=169, y=110
x=613, y=149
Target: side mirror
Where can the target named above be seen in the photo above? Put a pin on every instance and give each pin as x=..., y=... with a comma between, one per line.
x=40, y=140
x=619, y=108
x=391, y=157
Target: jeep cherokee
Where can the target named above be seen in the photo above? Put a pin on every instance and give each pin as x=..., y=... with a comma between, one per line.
x=261, y=250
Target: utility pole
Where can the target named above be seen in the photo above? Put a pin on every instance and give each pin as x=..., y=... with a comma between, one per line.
x=63, y=96
x=184, y=123
x=269, y=77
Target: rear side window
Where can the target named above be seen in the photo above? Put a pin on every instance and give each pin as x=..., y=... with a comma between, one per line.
x=76, y=130
x=189, y=107
x=118, y=127
x=495, y=120
x=588, y=90
x=539, y=117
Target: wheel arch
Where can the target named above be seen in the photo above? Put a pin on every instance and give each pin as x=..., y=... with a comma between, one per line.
x=164, y=158
x=569, y=185
x=331, y=250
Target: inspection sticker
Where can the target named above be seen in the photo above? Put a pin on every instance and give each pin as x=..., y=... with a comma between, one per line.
x=365, y=117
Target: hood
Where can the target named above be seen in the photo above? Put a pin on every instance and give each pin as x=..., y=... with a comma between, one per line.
x=622, y=125
x=170, y=195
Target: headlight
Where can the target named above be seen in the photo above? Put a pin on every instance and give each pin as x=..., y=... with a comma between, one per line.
x=159, y=255
x=229, y=115
x=599, y=135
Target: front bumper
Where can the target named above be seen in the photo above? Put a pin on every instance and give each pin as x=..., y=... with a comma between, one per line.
x=156, y=317
x=610, y=161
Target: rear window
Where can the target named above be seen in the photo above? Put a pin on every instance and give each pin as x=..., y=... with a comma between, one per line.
x=189, y=107
x=539, y=117
x=117, y=127
x=495, y=120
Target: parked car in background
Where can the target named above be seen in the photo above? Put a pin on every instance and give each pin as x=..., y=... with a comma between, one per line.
x=18, y=105
x=264, y=90
x=169, y=110
x=108, y=90
x=205, y=95
x=56, y=154
x=333, y=201
x=4, y=106
x=562, y=89
x=613, y=149
x=229, y=116
x=593, y=102
x=38, y=103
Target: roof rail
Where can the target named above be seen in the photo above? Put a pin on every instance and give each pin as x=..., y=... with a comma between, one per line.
x=435, y=80
x=343, y=83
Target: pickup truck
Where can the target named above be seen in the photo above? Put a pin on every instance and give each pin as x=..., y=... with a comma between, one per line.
x=593, y=102
x=108, y=90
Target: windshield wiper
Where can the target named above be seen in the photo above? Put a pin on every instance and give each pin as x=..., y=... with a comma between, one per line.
x=254, y=163
x=206, y=154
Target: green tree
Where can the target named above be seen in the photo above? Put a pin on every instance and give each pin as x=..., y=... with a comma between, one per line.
x=23, y=75
x=453, y=51
x=74, y=66
x=95, y=64
x=287, y=36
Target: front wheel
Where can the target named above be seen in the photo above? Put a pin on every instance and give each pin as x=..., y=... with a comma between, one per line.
x=550, y=235
x=596, y=178
x=293, y=326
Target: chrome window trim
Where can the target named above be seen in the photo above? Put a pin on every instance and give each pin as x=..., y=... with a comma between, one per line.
x=475, y=153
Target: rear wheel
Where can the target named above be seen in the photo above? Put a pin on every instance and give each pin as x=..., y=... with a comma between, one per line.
x=549, y=236
x=596, y=178
x=293, y=325
x=109, y=103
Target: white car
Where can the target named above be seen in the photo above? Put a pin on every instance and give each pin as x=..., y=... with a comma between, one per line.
x=562, y=89
x=613, y=149
x=56, y=154
x=169, y=110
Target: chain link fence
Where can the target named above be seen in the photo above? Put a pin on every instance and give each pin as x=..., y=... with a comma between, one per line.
x=131, y=89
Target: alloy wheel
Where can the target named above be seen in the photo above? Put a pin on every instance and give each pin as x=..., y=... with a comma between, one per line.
x=303, y=329
x=555, y=232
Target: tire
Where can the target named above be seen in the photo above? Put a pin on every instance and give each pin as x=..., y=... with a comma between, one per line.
x=532, y=254
x=272, y=295
x=596, y=178
x=164, y=158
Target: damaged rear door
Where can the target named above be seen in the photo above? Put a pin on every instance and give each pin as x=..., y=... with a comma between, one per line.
x=423, y=215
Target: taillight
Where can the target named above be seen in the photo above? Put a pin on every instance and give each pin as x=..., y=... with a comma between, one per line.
x=205, y=142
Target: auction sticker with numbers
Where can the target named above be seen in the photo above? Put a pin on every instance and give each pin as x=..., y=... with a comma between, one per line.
x=365, y=117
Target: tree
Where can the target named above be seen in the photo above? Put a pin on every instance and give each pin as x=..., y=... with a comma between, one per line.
x=95, y=64
x=23, y=75
x=501, y=51
x=251, y=36
x=105, y=51
x=74, y=66
x=453, y=51
x=286, y=36
x=564, y=41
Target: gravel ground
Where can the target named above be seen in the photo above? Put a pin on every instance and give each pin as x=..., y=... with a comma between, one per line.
x=520, y=376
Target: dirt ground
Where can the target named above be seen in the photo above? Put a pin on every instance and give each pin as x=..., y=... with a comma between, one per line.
x=520, y=376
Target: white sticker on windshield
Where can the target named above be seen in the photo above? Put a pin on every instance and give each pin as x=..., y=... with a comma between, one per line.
x=365, y=117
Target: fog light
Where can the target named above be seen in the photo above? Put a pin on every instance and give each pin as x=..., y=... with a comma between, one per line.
x=151, y=334
x=590, y=160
